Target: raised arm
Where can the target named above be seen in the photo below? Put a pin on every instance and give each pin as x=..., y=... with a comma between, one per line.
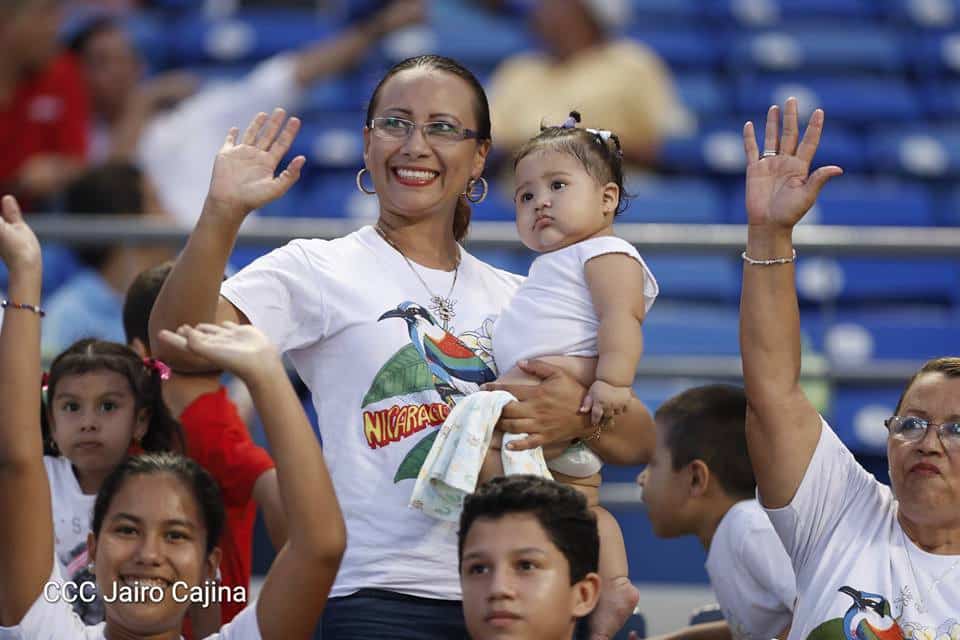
x=26, y=536
x=243, y=180
x=301, y=576
x=783, y=427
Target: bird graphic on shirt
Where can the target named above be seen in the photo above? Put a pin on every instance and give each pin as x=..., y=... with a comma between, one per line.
x=869, y=617
x=456, y=369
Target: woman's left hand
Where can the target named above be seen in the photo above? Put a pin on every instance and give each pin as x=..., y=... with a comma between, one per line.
x=548, y=412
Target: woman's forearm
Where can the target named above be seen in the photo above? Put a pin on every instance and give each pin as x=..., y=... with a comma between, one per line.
x=191, y=292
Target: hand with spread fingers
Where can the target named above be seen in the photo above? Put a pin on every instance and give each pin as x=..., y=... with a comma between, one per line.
x=241, y=349
x=244, y=171
x=780, y=187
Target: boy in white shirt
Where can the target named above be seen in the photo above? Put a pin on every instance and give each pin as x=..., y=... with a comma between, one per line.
x=700, y=482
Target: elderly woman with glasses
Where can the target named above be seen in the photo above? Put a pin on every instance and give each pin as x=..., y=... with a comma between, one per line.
x=388, y=326
x=871, y=561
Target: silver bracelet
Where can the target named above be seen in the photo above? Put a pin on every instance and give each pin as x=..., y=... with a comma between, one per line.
x=771, y=261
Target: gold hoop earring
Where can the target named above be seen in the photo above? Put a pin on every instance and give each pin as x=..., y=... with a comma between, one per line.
x=470, y=193
x=360, y=183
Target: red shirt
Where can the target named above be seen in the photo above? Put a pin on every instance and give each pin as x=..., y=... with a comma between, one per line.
x=49, y=113
x=219, y=441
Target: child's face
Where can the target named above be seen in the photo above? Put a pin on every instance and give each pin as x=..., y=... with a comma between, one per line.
x=665, y=490
x=153, y=534
x=516, y=582
x=558, y=203
x=94, y=419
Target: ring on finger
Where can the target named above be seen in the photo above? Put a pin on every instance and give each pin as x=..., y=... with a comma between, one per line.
x=768, y=153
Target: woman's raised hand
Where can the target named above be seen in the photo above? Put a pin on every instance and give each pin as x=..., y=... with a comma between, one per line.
x=19, y=248
x=240, y=349
x=243, y=173
x=780, y=188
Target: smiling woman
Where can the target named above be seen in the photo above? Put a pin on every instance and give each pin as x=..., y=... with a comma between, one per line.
x=388, y=326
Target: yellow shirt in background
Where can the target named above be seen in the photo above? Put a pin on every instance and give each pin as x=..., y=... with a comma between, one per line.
x=622, y=86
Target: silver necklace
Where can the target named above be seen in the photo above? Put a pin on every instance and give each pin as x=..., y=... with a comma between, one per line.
x=441, y=306
x=921, y=598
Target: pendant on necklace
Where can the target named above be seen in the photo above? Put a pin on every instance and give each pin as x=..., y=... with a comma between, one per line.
x=443, y=307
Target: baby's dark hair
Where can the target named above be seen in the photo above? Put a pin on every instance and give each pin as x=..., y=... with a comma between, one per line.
x=89, y=355
x=561, y=510
x=598, y=151
x=708, y=423
x=200, y=483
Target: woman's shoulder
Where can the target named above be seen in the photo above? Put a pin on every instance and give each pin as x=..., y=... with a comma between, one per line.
x=327, y=254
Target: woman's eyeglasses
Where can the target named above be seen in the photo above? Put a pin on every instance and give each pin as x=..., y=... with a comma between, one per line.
x=393, y=128
x=913, y=429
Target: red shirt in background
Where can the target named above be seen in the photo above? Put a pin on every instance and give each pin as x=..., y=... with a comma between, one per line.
x=219, y=441
x=48, y=114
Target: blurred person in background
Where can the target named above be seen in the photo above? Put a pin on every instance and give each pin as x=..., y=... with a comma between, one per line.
x=176, y=147
x=43, y=102
x=618, y=83
x=90, y=304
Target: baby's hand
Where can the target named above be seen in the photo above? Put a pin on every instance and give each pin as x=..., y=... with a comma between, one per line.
x=19, y=248
x=605, y=401
x=240, y=349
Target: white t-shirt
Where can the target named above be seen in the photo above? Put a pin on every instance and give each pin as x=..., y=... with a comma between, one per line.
x=72, y=521
x=56, y=620
x=751, y=574
x=552, y=312
x=341, y=309
x=177, y=148
x=841, y=532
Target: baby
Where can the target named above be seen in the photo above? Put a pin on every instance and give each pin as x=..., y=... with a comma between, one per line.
x=581, y=309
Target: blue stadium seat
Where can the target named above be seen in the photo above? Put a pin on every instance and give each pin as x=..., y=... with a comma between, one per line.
x=925, y=14
x=718, y=148
x=331, y=140
x=891, y=99
x=681, y=11
x=948, y=210
x=860, y=338
x=336, y=196
x=667, y=334
x=705, y=614
x=680, y=47
x=497, y=207
x=858, y=201
x=836, y=48
x=463, y=32
x=941, y=98
x=935, y=54
x=929, y=152
x=676, y=200
x=248, y=35
x=921, y=280
x=705, y=93
x=857, y=414
x=696, y=277
x=765, y=13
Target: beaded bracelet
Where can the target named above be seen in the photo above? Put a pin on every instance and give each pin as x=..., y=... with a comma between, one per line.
x=771, y=261
x=6, y=304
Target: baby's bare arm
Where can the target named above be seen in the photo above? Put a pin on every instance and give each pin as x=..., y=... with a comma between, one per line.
x=616, y=285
